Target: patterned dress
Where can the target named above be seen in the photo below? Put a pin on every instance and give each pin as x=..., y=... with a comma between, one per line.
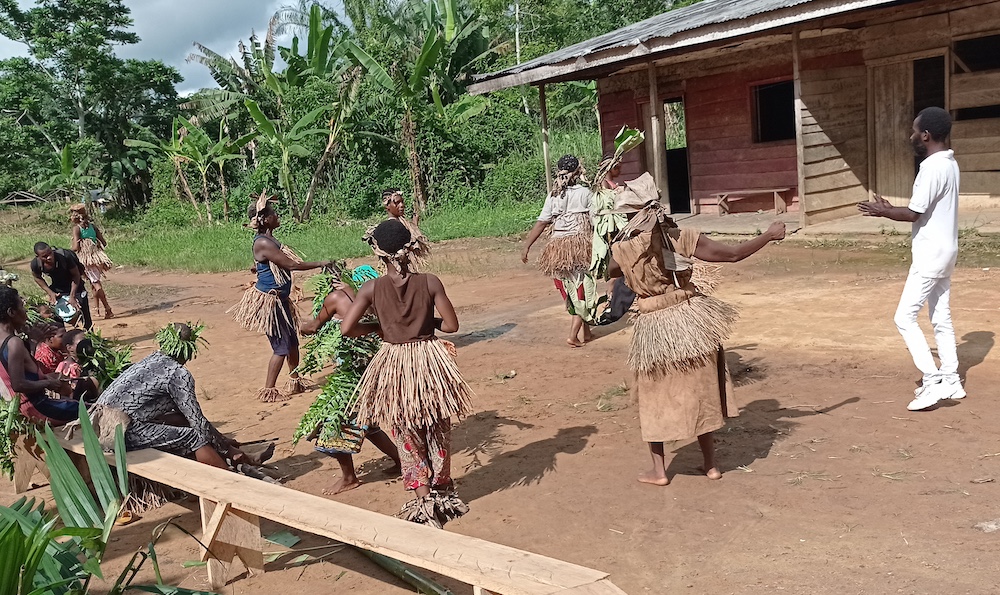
x=150, y=389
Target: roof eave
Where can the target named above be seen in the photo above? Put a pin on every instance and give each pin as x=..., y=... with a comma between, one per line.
x=586, y=66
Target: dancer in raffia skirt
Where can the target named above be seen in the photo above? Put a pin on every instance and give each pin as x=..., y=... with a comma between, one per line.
x=266, y=306
x=566, y=258
x=681, y=381
x=89, y=244
x=395, y=207
x=412, y=386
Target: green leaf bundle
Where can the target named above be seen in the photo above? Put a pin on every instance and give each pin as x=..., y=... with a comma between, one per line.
x=12, y=423
x=185, y=349
x=109, y=359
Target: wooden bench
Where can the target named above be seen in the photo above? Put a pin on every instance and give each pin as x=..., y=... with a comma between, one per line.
x=724, y=198
x=232, y=505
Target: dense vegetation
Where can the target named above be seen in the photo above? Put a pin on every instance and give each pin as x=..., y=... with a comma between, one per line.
x=369, y=94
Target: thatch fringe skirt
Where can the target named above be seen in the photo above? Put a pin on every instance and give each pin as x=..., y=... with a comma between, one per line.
x=566, y=256
x=412, y=385
x=264, y=312
x=95, y=261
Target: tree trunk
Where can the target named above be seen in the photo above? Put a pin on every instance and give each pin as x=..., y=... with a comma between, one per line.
x=204, y=194
x=225, y=193
x=413, y=158
x=187, y=189
x=314, y=183
x=286, y=185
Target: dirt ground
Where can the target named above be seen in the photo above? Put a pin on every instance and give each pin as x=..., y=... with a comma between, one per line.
x=830, y=485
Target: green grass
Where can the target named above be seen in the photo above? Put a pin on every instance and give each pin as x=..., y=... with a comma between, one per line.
x=226, y=247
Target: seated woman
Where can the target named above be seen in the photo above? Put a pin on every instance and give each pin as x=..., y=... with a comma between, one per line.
x=158, y=397
x=24, y=372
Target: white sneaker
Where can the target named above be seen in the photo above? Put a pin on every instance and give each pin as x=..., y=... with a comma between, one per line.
x=952, y=390
x=927, y=397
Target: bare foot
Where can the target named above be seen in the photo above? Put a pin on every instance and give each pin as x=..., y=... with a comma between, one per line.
x=341, y=487
x=109, y=315
x=713, y=473
x=588, y=336
x=574, y=343
x=654, y=478
x=394, y=471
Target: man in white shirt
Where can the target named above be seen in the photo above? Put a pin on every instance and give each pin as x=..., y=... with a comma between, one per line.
x=933, y=209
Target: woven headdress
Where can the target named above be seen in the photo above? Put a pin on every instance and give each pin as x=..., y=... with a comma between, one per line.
x=399, y=257
x=256, y=209
x=569, y=171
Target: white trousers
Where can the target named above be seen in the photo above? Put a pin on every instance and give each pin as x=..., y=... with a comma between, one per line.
x=936, y=293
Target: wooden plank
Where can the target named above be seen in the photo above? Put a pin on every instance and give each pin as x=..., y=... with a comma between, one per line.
x=975, y=19
x=810, y=77
x=852, y=147
x=821, y=201
x=746, y=153
x=743, y=167
x=28, y=458
x=906, y=36
x=846, y=115
x=975, y=89
x=841, y=134
x=834, y=181
x=978, y=162
x=603, y=587
x=723, y=183
x=977, y=146
x=545, y=137
x=893, y=103
x=471, y=560
x=830, y=102
x=831, y=214
x=965, y=129
x=829, y=166
x=832, y=87
x=980, y=182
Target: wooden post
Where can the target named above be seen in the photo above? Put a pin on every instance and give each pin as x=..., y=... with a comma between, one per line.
x=229, y=533
x=799, y=146
x=543, y=109
x=28, y=457
x=659, y=143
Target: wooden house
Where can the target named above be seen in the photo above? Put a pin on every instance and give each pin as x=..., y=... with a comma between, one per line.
x=798, y=104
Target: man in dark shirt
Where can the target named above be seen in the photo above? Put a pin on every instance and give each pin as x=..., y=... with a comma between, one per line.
x=64, y=272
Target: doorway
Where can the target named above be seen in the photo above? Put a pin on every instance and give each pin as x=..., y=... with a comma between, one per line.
x=678, y=179
x=899, y=91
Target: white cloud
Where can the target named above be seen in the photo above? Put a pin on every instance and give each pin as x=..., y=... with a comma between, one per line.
x=168, y=28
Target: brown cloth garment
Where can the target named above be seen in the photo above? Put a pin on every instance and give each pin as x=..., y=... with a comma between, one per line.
x=674, y=404
x=406, y=312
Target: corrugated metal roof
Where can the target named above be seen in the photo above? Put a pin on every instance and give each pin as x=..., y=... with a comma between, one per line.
x=703, y=14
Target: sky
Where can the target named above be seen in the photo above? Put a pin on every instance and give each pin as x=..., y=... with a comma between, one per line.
x=169, y=27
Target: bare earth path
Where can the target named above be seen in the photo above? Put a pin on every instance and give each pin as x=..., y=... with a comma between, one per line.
x=830, y=485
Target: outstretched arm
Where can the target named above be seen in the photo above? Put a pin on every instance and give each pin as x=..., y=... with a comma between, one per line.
x=448, y=323
x=712, y=251
x=264, y=250
x=335, y=304
x=100, y=237
x=880, y=207
x=352, y=326
x=533, y=235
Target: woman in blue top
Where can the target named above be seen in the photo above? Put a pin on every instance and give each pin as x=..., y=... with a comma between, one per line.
x=266, y=307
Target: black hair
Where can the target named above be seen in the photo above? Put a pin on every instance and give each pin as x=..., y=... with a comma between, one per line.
x=568, y=163
x=41, y=247
x=85, y=349
x=71, y=336
x=183, y=331
x=391, y=236
x=253, y=212
x=9, y=300
x=935, y=121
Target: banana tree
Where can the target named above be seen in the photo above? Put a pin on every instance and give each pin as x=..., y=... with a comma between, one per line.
x=224, y=151
x=70, y=178
x=289, y=143
x=205, y=153
x=174, y=150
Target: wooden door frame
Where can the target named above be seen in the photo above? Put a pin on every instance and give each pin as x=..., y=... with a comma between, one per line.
x=672, y=97
x=870, y=65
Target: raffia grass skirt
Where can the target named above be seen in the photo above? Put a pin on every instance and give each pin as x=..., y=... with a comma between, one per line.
x=681, y=336
x=565, y=256
x=264, y=312
x=412, y=385
x=93, y=256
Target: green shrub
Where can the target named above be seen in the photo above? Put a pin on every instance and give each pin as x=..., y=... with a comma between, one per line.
x=169, y=213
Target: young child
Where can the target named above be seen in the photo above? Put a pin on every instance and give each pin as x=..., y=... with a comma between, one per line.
x=77, y=347
x=48, y=351
x=335, y=307
x=412, y=384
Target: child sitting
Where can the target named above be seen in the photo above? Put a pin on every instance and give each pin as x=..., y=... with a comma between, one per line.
x=78, y=348
x=48, y=351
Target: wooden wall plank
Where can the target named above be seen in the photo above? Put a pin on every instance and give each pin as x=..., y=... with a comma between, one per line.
x=976, y=19
x=828, y=166
x=966, y=129
x=975, y=89
x=980, y=183
x=839, y=212
x=978, y=162
x=834, y=181
x=853, y=149
x=971, y=146
x=906, y=36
